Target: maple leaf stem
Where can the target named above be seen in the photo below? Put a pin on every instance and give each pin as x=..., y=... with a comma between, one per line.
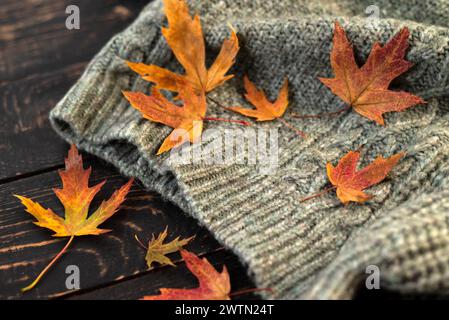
x=320, y=115
x=299, y=132
x=318, y=194
x=140, y=242
x=39, y=277
x=245, y=291
x=216, y=102
x=244, y=123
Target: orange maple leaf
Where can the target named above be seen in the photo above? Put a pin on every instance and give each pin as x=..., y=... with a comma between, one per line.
x=350, y=183
x=76, y=197
x=185, y=37
x=366, y=88
x=212, y=284
x=187, y=120
x=264, y=109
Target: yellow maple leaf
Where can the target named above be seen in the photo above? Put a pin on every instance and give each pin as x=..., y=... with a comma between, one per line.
x=157, y=249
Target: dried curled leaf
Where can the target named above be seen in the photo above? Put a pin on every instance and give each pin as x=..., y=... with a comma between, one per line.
x=185, y=37
x=264, y=109
x=76, y=197
x=187, y=120
x=157, y=249
x=350, y=183
x=366, y=88
x=212, y=284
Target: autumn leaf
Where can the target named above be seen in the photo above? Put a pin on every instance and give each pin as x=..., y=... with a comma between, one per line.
x=157, y=249
x=350, y=182
x=76, y=197
x=366, y=88
x=212, y=284
x=187, y=120
x=264, y=109
x=185, y=37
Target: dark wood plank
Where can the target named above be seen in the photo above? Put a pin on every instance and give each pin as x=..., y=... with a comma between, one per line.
x=25, y=249
x=169, y=277
x=28, y=142
x=34, y=37
x=39, y=61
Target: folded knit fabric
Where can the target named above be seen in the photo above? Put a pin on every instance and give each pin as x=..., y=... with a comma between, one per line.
x=320, y=248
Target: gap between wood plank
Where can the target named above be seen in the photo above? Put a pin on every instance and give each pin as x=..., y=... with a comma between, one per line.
x=31, y=174
x=70, y=294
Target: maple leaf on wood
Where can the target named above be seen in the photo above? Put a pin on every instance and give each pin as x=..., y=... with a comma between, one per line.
x=212, y=284
x=187, y=120
x=185, y=37
x=157, y=249
x=76, y=196
x=366, y=89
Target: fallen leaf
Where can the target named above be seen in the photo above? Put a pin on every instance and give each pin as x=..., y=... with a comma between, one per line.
x=264, y=109
x=212, y=284
x=350, y=183
x=185, y=37
x=366, y=88
x=157, y=249
x=76, y=197
x=186, y=120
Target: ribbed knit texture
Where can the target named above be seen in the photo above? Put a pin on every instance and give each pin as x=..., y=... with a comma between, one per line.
x=320, y=248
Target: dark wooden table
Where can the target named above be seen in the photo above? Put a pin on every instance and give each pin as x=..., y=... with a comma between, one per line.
x=39, y=61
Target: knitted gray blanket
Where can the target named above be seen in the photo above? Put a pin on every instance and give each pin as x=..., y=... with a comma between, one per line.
x=320, y=248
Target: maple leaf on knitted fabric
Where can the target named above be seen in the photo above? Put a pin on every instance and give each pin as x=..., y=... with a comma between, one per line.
x=185, y=37
x=76, y=196
x=186, y=120
x=264, y=109
x=350, y=182
x=365, y=89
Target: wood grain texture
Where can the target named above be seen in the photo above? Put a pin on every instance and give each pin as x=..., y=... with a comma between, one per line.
x=25, y=249
x=34, y=37
x=179, y=277
x=28, y=142
x=39, y=61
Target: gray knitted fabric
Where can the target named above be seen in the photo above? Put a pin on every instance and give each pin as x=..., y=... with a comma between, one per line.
x=320, y=248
